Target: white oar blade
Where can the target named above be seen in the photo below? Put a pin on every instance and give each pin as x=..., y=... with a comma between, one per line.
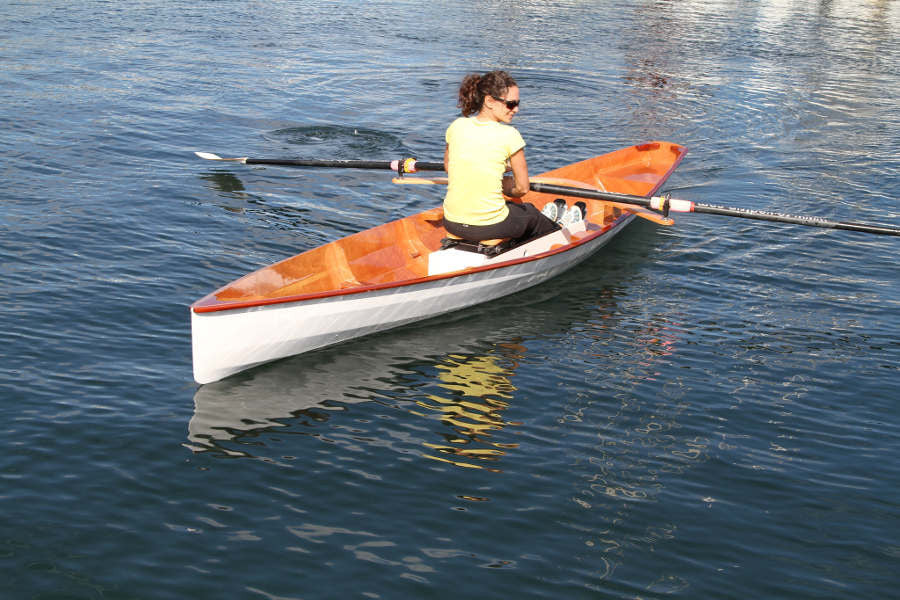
x=211, y=156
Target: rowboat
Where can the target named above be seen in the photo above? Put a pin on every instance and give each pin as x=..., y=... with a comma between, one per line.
x=398, y=273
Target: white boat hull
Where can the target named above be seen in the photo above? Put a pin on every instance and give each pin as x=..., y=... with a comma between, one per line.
x=229, y=341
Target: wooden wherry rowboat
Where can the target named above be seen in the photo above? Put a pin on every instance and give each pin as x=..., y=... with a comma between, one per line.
x=397, y=273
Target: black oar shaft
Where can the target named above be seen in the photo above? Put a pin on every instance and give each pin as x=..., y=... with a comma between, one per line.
x=564, y=190
x=795, y=219
x=344, y=164
x=687, y=206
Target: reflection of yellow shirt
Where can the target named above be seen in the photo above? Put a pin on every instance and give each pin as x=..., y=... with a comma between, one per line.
x=476, y=163
x=475, y=376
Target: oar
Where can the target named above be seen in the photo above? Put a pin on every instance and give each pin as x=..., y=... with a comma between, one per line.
x=666, y=204
x=632, y=208
x=406, y=165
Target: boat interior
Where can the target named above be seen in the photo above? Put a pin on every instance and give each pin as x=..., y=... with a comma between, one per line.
x=399, y=251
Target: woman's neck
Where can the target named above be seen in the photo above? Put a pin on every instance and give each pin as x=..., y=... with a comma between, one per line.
x=486, y=116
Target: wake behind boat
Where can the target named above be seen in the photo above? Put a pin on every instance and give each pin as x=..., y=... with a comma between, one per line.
x=398, y=272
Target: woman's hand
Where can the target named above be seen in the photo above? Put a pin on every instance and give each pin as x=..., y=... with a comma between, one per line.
x=517, y=185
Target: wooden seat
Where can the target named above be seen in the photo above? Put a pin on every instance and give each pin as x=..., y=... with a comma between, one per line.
x=495, y=242
x=487, y=247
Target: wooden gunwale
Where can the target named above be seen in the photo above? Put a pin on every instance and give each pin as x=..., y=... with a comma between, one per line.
x=209, y=303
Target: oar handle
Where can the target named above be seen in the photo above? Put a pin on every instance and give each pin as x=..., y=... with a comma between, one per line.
x=564, y=190
x=666, y=204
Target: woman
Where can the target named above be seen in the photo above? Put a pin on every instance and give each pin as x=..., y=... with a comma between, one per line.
x=481, y=146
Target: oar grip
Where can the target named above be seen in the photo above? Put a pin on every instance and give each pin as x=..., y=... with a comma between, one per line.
x=407, y=165
x=674, y=205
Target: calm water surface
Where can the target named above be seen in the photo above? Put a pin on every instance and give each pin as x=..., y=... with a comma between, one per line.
x=701, y=411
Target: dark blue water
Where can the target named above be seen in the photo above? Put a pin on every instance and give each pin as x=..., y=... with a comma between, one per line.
x=701, y=411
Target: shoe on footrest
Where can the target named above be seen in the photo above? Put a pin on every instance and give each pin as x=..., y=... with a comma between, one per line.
x=572, y=215
x=551, y=211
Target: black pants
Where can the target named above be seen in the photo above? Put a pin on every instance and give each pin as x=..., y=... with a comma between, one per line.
x=524, y=223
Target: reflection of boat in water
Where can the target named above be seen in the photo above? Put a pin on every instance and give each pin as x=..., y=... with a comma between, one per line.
x=258, y=400
x=268, y=396
x=457, y=371
x=474, y=392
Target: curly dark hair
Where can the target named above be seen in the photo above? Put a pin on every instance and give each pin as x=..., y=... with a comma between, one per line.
x=474, y=88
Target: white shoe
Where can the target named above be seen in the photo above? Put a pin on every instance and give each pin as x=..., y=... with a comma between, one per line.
x=550, y=211
x=560, y=208
x=572, y=215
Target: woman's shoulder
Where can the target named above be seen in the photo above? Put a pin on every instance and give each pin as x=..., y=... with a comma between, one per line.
x=510, y=133
x=459, y=122
x=508, y=129
x=492, y=129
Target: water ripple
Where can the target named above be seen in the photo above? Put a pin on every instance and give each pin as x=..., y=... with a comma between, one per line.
x=703, y=404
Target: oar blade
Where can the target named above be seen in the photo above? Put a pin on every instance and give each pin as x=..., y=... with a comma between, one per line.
x=211, y=156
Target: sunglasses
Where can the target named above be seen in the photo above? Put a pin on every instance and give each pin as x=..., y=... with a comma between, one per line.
x=510, y=104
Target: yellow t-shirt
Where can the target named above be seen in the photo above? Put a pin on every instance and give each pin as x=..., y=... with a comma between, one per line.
x=476, y=163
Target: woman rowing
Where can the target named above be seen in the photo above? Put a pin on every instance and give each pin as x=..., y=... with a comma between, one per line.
x=481, y=146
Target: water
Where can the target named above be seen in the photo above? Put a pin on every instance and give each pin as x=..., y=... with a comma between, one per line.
x=701, y=411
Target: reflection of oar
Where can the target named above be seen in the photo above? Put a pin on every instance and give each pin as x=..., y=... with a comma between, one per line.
x=406, y=165
x=632, y=208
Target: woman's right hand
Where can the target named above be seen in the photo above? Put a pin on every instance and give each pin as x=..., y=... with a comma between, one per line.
x=517, y=185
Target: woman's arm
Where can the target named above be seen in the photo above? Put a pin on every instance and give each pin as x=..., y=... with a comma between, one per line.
x=518, y=184
x=447, y=158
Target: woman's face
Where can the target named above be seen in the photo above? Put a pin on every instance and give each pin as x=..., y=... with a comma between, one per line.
x=499, y=109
